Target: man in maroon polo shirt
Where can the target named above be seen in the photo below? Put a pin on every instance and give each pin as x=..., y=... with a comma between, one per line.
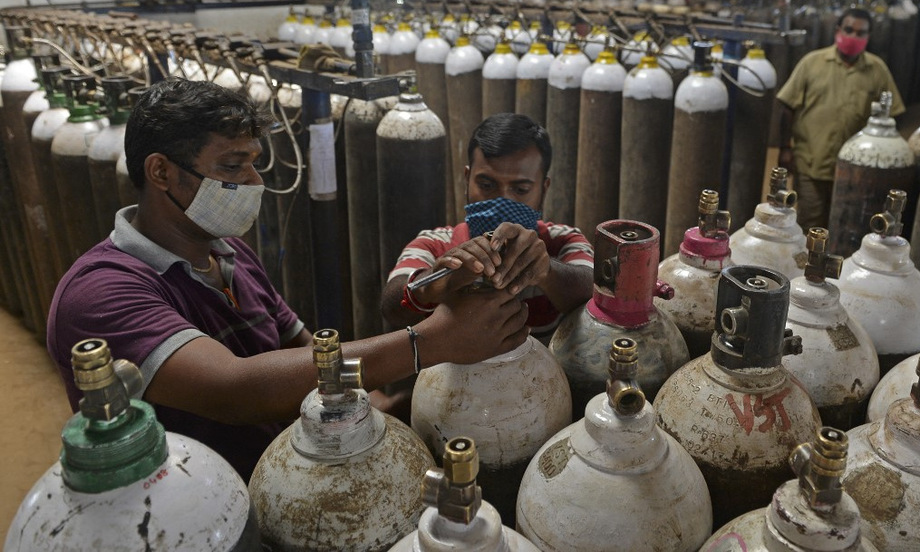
x=173, y=290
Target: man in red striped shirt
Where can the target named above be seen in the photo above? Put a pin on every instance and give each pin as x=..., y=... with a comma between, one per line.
x=548, y=265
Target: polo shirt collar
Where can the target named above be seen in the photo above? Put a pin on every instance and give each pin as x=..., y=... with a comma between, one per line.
x=128, y=239
x=831, y=55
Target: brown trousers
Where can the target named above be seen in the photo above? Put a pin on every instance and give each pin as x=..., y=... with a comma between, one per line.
x=814, y=201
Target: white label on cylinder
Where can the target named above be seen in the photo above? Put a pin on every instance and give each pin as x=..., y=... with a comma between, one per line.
x=361, y=17
x=322, y=160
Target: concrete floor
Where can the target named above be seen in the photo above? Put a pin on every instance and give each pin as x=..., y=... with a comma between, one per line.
x=34, y=405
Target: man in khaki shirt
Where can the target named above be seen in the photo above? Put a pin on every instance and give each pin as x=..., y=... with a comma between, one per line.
x=826, y=100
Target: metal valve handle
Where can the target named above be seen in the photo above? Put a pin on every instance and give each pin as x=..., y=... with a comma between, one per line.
x=888, y=223
x=820, y=264
x=779, y=195
x=623, y=392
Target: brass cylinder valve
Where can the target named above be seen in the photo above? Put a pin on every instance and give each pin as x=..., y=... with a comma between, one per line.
x=335, y=376
x=623, y=392
x=779, y=195
x=107, y=385
x=819, y=466
x=888, y=223
x=820, y=264
x=712, y=221
x=453, y=490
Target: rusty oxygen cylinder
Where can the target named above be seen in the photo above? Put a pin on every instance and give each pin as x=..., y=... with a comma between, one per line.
x=869, y=164
x=880, y=286
x=345, y=476
x=700, y=105
x=895, y=385
x=463, y=68
x=752, y=130
x=737, y=410
x=914, y=143
x=597, y=195
x=811, y=513
x=430, y=57
x=613, y=474
x=361, y=119
x=499, y=79
x=410, y=162
x=882, y=474
x=509, y=404
x=456, y=517
x=648, y=116
x=106, y=149
x=70, y=162
x=403, y=45
x=119, y=469
x=563, y=100
x=625, y=281
x=838, y=365
x=773, y=238
x=18, y=87
x=44, y=128
x=694, y=274
x=532, y=82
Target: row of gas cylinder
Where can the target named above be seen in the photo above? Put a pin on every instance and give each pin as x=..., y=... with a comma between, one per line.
x=718, y=443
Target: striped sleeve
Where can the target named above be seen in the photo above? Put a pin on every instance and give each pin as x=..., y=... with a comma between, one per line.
x=423, y=251
x=567, y=244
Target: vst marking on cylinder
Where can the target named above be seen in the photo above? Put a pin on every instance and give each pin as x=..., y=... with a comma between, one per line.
x=555, y=458
x=757, y=406
x=842, y=337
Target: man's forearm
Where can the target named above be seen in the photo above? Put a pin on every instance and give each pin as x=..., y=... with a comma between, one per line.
x=568, y=286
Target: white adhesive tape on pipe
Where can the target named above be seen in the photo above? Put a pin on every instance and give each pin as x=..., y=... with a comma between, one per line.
x=322, y=161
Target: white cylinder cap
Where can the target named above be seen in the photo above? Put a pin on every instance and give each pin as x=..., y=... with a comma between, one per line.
x=403, y=41
x=762, y=68
x=463, y=59
x=604, y=77
x=535, y=65
x=701, y=93
x=646, y=83
x=500, y=66
x=432, y=49
x=567, y=69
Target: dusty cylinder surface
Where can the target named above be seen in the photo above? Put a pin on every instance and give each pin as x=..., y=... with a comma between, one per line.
x=464, y=100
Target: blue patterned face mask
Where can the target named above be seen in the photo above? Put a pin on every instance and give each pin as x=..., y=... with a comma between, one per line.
x=485, y=216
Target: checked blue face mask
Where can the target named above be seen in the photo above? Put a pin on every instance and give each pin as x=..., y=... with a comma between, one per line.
x=222, y=209
x=485, y=216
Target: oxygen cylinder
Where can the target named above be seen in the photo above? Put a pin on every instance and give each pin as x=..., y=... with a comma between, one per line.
x=323, y=32
x=717, y=55
x=305, y=31
x=563, y=100
x=410, y=192
x=70, y=166
x=340, y=38
x=914, y=143
x=597, y=194
x=105, y=150
x=361, y=119
x=10, y=275
x=625, y=282
x=381, y=39
x=518, y=38
x=648, y=115
x=811, y=513
x=123, y=483
x=463, y=70
x=880, y=37
x=430, y=57
x=895, y=385
x=596, y=42
x=901, y=59
x=677, y=57
x=700, y=106
x=127, y=193
x=509, y=404
x=288, y=27
x=694, y=274
x=44, y=128
x=773, y=238
x=883, y=477
x=639, y=47
x=880, y=287
x=869, y=164
x=19, y=84
x=532, y=82
x=838, y=365
x=751, y=125
x=456, y=517
x=613, y=476
x=737, y=410
x=499, y=74
x=344, y=476
x=403, y=45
